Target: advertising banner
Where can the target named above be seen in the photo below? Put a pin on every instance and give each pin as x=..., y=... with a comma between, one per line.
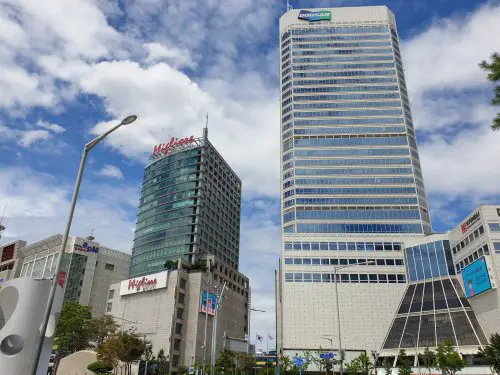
x=144, y=283
x=476, y=278
x=208, y=302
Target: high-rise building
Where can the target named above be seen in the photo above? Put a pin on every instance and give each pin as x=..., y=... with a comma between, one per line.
x=352, y=189
x=189, y=207
x=186, y=249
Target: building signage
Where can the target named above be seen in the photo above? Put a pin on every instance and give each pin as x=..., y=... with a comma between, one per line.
x=208, y=302
x=144, y=283
x=321, y=15
x=86, y=248
x=476, y=278
x=470, y=221
x=61, y=279
x=164, y=148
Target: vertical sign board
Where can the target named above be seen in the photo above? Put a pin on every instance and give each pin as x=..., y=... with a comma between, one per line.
x=208, y=302
x=476, y=278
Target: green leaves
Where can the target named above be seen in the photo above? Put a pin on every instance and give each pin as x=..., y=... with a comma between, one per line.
x=493, y=69
x=491, y=353
x=447, y=359
x=73, y=328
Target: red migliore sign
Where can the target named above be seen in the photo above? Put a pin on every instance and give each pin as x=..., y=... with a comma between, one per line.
x=142, y=283
x=164, y=148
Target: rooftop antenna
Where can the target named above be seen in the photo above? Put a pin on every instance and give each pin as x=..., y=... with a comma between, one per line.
x=91, y=237
x=205, y=129
x=288, y=6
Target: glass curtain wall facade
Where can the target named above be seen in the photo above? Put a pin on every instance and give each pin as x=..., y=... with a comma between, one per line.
x=350, y=160
x=189, y=206
x=434, y=307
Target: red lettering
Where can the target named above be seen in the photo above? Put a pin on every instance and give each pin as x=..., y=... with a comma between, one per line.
x=144, y=282
x=164, y=148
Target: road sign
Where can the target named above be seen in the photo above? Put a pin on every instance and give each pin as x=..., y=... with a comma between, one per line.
x=191, y=371
x=329, y=355
x=299, y=362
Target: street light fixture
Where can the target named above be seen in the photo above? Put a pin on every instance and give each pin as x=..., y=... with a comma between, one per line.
x=335, y=269
x=43, y=329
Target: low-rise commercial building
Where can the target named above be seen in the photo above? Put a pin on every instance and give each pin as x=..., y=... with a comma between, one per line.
x=171, y=309
x=87, y=270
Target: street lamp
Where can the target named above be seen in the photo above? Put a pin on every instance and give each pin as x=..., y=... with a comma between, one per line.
x=43, y=329
x=335, y=269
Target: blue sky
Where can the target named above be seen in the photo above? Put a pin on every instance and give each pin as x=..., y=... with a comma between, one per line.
x=72, y=69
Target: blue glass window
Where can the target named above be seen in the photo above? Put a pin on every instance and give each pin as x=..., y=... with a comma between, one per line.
x=288, y=260
x=298, y=277
x=297, y=246
x=288, y=276
x=369, y=246
x=288, y=246
x=333, y=246
x=496, y=246
x=351, y=246
x=342, y=246
x=494, y=227
x=360, y=246
x=306, y=261
x=306, y=246
x=297, y=260
x=307, y=277
x=316, y=261
x=323, y=245
x=314, y=246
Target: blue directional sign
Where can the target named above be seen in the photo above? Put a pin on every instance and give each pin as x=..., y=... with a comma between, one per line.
x=299, y=362
x=329, y=355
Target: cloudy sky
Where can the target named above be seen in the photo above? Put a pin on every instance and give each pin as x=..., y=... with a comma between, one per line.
x=72, y=68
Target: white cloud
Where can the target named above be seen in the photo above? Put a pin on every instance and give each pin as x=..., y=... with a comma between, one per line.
x=37, y=205
x=160, y=52
x=29, y=137
x=52, y=127
x=111, y=171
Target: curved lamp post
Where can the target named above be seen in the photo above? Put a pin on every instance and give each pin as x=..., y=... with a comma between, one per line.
x=43, y=329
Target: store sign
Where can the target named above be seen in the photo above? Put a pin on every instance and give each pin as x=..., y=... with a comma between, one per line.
x=86, y=248
x=321, y=15
x=208, y=302
x=470, y=221
x=61, y=279
x=476, y=278
x=164, y=148
x=144, y=283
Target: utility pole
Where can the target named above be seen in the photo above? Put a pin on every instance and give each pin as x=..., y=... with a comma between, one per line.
x=214, y=330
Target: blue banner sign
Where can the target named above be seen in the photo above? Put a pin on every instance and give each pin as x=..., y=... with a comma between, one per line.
x=476, y=278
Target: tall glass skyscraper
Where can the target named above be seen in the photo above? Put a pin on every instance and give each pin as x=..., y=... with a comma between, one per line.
x=352, y=191
x=350, y=161
x=189, y=207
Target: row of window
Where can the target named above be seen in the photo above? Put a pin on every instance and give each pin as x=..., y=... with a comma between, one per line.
x=346, y=73
x=334, y=162
x=358, y=121
x=386, y=140
x=361, y=104
x=353, y=191
x=170, y=174
x=161, y=254
x=178, y=163
x=379, y=278
x=338, y=30
x=349, y=152
x=342, y=45
x=188, y=211
x=461, y=245
x=346, y=113
x=329, y=52
x=355, y=215
x=299, y=90
x=352, y=171
x=168, y=190
x=338, y=59
x=172, y=181
x=343, y=246
x=355, y=181
x=484, y=250
x=170, y=159
x=168, y=198
x=340, y=37
x=429, y=260
x=166, y=207
x=343, y=261
x=165, y=233
x=353, y=228
x=344, y=66
x=343, y=81
x=160, y=244
x=392, y=95
x=335, y=201
x=165, y=225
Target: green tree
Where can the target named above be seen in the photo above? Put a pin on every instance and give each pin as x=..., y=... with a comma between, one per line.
x=245, y=362
x=182, y=370
x=99, y=368
x=353, y=367
x=387, y=366
x=491, y=353
x=225, y=363
x=493, y=69
x=448, y=360
x=285, y=363
x=365, y=364
x=121, y=350
x=102, y=328
x=428, y=359
x=404, y=363
x=148, y=352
